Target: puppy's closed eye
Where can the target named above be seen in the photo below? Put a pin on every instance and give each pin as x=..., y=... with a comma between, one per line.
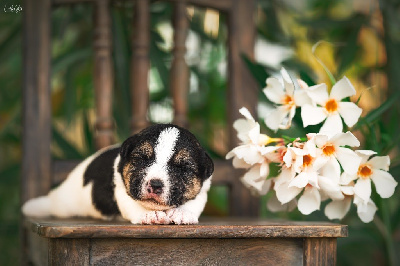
x=184, y=161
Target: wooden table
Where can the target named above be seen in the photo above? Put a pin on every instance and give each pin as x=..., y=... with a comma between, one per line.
x=212, y=242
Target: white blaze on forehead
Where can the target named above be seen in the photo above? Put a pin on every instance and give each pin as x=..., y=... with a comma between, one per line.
x=165, y=146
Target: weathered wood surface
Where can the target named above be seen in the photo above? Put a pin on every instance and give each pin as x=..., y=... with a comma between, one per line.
x=140, y=65
x=319, y=251
x=179, y=80
x=214, y=228
x=103, y=74
x=242, y=91
x=196, y=252
x=36, y=136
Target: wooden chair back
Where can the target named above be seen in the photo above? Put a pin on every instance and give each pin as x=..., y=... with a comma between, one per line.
x=39, y=171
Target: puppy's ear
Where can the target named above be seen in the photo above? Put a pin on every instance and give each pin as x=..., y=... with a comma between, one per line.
x=126, y=148
x=209, y=166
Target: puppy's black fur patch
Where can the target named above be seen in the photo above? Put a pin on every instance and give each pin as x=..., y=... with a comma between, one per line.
x=198, y=166
x=101, y=173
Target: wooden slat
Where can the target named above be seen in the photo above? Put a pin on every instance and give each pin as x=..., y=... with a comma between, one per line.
x=179, y=81
x=69, y=252
x=242, y=90
x=197, y=252
x=36, y=160
x=103, y=73
x=140, y=65
x=207, y=228
x=319, y=251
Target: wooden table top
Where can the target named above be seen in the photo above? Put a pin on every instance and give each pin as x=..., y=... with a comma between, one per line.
x=207, y=228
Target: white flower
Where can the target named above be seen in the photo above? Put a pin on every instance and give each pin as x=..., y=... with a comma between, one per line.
x=256, y=179
x=374, y=169
x=365, y=210
x=250, y=152
x=274, y=205
x=310, y=201
x=337, y=209
x=331, y=152
x=284, y=193
x=330, y=108
x=287, y=99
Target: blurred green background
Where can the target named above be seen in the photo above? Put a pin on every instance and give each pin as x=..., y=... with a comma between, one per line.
x=357, y=38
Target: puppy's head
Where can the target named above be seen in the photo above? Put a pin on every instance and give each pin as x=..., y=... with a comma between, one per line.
x=164, y=166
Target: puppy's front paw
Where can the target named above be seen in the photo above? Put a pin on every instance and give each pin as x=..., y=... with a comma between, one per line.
x=155, y=217
x=178, y=216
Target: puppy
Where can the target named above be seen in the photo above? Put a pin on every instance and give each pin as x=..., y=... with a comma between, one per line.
x=158, y=176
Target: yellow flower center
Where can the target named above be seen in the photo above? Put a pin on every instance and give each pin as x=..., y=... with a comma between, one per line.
x=364, y=171
x=288, y=100
x=307, y=160
x=328, y=149
x=331, y=106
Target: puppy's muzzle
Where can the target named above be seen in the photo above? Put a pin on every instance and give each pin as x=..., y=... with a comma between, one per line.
x=155, y=186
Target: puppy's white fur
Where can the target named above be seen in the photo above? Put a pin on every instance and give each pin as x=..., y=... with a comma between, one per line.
x=71, y=198
x=164, y=150
x=133, y=211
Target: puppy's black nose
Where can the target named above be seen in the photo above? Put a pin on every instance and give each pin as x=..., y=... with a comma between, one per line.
x=155, y=186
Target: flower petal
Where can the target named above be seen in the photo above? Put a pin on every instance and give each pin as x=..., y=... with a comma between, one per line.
x=347, y=190
x=366, y=211
x=380, y=162
x=301, y=180
x=363, y=189
x=337, y=209
x=333, y=124
x=243, y=126
x=274, y=205
x=365, y=154
x=342, y=89
x=345, y=178
x=318, y=93
x=384, y=183
x=330, y=188
x=312, y=115
x=254, y=134
x=286, y=194
x=274, y=119
x=350, y=112
x=301, y=97
x=253, y=181
x=249, y=153
x=239, y=163
x=309, y=201
x=285, y=176
x=246, y=113
x=345, y=139
x=331, y=170
x=348, y=159
x=274, y=90
x=287, y=81
x=321, y=140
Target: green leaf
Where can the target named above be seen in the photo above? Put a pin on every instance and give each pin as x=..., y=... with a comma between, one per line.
x=67, y=59
x=376, y=113
x=348, y=52
x=331, y=77
x=258, y=71
x=68, y=150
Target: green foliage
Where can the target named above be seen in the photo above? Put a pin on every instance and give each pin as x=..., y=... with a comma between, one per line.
x=73, y=98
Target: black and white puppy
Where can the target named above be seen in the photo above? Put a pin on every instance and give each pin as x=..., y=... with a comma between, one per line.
x=158, y=176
